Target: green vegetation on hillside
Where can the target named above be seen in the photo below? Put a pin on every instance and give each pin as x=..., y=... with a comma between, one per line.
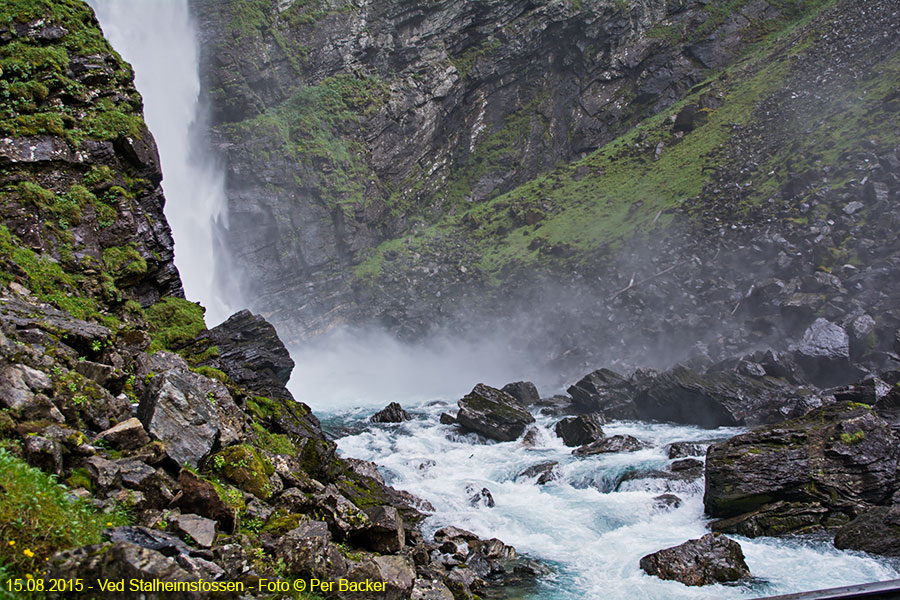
x=307, y=129
x=38, y=517
x=34, y=75
x=636, y=182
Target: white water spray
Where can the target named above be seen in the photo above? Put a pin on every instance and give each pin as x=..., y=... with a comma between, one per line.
x=158, y=38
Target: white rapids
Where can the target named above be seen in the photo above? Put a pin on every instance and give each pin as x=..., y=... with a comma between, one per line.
x=590, y=525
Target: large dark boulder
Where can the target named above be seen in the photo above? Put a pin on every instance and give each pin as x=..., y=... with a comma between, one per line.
x=713, y=399
x=251, y=353
x=176, y=411
x=712, y=559
x=580, y=430
x=493, y=413
x=877, y=531
x=604, y=392
x=821, y=467
x=523, y=391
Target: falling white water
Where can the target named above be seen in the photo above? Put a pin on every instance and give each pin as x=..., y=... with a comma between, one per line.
x=157, y=37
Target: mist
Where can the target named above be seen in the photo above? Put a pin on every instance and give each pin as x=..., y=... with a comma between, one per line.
x=160, y=42
x=369, y=367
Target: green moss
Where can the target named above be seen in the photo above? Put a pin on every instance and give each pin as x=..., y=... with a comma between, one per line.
x=124, y=263
x=245, y=467
x=587, y=209
x=80, y=478
x=46, y=279
x=173, y=323
x=37, y=91
x=849, y=439
x=467, y=59
x=307, y=129
x=30, y=192
x=99, y=176
x=276, y=443
x=211, y=372
x=37, y=515
x=281, y=521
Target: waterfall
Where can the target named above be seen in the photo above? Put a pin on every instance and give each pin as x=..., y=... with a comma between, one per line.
x=159, y=40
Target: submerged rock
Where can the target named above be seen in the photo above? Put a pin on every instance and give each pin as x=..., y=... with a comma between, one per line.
x=544, y=472
x=711, y=559
x=493, y=413
x=616, y=443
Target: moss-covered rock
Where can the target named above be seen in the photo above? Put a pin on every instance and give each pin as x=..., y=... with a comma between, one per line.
x=246, y=467
x=805, y=473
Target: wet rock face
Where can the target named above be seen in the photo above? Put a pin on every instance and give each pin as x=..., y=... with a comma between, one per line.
x=440, y=81
x=493, y=413
x=802, y=474
x=712, y=559
x=877, y=531
x=251, y=353
x=581, y=430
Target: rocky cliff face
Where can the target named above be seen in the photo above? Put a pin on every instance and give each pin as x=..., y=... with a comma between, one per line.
x=80, y=172
x=134, y=442
x=346, y=124
x=406, y=165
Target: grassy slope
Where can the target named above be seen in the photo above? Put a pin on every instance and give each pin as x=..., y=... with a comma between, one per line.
x=595, y=203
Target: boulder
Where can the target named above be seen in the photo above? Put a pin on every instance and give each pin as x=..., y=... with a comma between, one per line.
x=307, y=551
x=430, y=589
x=712, y=399
x=385, y=533
x=119, y=561
x=877, y=531
x=776, y=518
x=176, y=411
x=604, y=392
x=396, y=572
x=392, y=413
x=194, y=527
x=840, y=457
x=201, y=497
x=824, y=354
x=685, y=449
x=711, y=559
x=616, y=443
x=493, y=413
x=127, y=435
x=580, y=430
x=523, y=391
x=544, y=472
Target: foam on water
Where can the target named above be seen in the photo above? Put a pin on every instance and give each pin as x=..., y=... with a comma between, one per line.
x=592, y=536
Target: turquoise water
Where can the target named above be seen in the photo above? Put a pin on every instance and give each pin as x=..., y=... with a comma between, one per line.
x=592, y=533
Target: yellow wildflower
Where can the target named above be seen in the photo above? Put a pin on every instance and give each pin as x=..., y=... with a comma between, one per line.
x=12, y=542
x=28, y=553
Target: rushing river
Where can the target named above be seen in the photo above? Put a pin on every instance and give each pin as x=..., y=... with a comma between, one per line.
x=592, y=531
